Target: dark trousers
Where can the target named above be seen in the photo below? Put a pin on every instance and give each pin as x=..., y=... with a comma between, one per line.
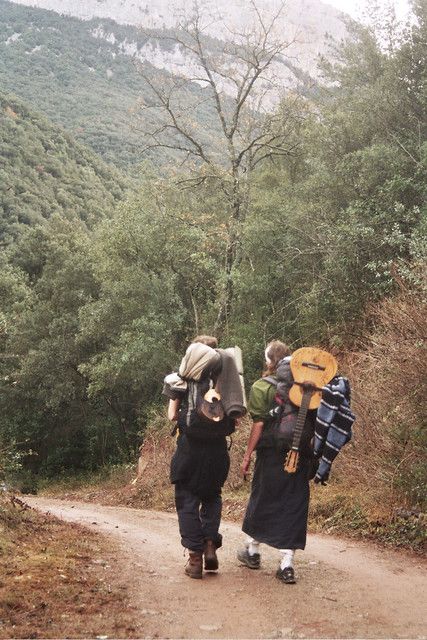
x=198, y=519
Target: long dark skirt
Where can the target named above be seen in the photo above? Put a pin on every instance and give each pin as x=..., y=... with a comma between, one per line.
x=277, y=511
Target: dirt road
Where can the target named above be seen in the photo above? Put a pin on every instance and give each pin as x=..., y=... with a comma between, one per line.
x=344, y=589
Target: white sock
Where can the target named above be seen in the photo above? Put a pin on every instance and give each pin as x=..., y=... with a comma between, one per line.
x=287, y=558
x=252, y=546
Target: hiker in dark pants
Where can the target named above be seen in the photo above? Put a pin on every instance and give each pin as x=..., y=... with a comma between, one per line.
x=200, y=465
x=277, y=511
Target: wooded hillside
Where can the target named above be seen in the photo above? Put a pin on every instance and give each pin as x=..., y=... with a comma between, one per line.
x=45, y=172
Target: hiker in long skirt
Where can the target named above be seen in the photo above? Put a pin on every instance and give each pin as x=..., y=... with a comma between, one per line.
x=277, y=511
x=200, y=464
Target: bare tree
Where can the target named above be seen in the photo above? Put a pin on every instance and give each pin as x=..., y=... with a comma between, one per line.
x=238, y=79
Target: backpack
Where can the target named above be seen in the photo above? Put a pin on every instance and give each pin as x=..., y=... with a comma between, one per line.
x=193, y=422
x=278, y=432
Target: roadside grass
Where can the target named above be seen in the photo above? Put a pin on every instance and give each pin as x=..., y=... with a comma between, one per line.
x=107, y=480
x=345, y=510
x=58, y=580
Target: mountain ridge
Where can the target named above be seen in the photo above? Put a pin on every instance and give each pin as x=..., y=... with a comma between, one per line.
x=304, y=23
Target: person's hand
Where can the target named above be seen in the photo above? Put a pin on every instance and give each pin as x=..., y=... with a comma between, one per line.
x=244, y=467
x=321, y=479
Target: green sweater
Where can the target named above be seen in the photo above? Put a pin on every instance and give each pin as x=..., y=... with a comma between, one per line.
x=261, y=398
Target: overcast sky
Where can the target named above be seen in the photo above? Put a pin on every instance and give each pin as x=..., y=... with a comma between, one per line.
x=356, y=7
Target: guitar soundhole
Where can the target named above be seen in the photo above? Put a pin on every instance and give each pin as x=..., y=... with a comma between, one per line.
x=312, y=365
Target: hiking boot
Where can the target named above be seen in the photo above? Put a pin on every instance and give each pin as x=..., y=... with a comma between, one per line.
x=286, y=575
x=211, y=559
x=253, y=562
x=193, y=568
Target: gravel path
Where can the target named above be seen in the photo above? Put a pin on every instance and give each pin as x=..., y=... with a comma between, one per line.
x=345, y=589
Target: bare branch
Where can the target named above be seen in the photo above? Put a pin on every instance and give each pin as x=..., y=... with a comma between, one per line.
x=165, y=103
x=237, y=78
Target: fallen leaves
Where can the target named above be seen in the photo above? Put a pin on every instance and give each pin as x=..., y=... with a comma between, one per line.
x=58, y=580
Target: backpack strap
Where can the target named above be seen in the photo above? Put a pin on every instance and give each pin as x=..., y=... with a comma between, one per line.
x=276, y=410
x=271, y=380
x=191, y=399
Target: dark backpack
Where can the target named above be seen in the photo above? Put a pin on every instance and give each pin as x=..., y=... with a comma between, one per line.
x=278, y=431
x=193, y=423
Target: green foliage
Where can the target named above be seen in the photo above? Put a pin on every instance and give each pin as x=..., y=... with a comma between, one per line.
x=323, y=240
x=53, y=193
x=152, y=269
x=93, y=322
x=44, y=172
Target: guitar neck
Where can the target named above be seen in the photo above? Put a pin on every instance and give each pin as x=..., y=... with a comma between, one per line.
x=302, y=415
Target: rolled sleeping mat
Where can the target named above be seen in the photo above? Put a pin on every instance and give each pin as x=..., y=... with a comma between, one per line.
x=236, y=352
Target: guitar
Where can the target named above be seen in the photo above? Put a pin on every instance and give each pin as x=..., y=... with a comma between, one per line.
x=311, y=369
x=211, y=406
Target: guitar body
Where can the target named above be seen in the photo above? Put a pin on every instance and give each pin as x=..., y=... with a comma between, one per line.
x=310, y=365
x=211, y=407
x=203, y=416
x=311, y=369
